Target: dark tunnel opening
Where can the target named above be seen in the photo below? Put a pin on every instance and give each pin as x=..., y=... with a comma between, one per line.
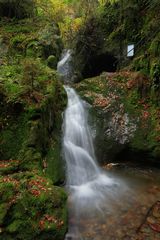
x=98, y=64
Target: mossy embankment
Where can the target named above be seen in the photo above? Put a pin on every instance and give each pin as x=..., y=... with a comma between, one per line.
x=127, y=116
x=127, y=101
x=32, y=101
x=102, y=41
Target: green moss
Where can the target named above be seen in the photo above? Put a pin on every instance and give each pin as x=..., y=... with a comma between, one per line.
x=52, y=61
x=39, y=205
x=14, y=226
x=55, y=168
x=11, y=143
x=7, y=190
x=34, y=130
x=126, y=92
x=32, y=101
x=17, y=40
x=18, y=28
x=30, y=159
x=3, y=212
x=154, y=48
x=131, y=105
x=34, y=49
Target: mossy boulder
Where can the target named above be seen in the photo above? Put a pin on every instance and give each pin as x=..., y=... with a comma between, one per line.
x=124, y=116
x=52, y=61
x=34, y=38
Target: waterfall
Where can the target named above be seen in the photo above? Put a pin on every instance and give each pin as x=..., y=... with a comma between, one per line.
x=84, y=176
x=90, y=188
x=77, y=143
x=101, y=205
x=64, y=67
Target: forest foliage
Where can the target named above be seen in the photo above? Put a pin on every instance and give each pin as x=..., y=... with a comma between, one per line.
x=32, y=98
x=111, y=26
x=93, y=27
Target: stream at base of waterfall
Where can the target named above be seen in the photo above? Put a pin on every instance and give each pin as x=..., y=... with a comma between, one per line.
x=102, y=205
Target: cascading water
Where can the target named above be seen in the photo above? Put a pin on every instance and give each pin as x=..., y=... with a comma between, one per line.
x=88, y=185
x=101, y=206
x=83, y=172
x=64, y=67
x=82, y=168
x=78, y=146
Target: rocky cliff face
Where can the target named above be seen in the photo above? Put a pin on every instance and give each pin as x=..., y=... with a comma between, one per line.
x=126, y=117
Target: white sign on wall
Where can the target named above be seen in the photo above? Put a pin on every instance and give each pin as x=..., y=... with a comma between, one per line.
x=130, y=50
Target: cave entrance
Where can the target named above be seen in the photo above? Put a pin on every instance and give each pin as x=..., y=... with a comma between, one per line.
x=98, y=64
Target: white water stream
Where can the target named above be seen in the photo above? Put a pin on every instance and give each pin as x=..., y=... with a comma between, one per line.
x=102, y=205
x=84, y=176
x=89, y=186
x=64, y=66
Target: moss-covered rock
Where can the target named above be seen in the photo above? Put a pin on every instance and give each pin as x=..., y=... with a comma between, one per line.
x=33, y=208
x=37, y=38
x=31, y=104
x=126, y=117
x=52, y=61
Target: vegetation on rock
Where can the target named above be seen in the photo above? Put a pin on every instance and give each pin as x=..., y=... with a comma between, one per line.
x=111, y=27
x=32, y=100
x=101, y=46
x=128, y=115
x=32, y=36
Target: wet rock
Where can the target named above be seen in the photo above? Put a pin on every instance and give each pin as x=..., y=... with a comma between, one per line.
x=122, y=118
